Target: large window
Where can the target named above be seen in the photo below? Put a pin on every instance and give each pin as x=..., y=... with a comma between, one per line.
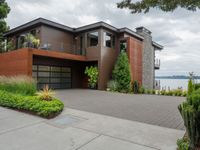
x=92, y=39
x=109, y=40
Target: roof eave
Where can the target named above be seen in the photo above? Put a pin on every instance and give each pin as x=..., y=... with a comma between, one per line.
x=157, y=46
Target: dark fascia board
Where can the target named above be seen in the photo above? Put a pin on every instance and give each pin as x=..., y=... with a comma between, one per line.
x=157, y=46
x=96, y=25
x=38, y=22
x=129, y=31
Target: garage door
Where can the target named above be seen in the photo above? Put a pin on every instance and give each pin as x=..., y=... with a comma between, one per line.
x=56, y=77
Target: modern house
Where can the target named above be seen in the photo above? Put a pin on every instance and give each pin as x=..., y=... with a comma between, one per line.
x=65, y=52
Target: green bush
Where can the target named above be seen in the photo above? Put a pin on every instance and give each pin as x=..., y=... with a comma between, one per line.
x=18, y=84
x=196, y=86
x=121, y=73
x=141, y=90
x=190, y=87
x=92, y=73
x=112, y=85
x=190, y=112
x=183, y=144
x=31, y=104
x=135, y=87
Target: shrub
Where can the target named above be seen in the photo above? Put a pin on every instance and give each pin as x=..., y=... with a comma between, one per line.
x=190, y=87
x=190, y=112
x=183, y=144
x=31, y=104
x=46, y=94
x=121, y=72
x=112, y=85
x=162, y=92
x=141, y=90
x=18, y=84
x=92, y=73
x=197, y=86
x=135, y=87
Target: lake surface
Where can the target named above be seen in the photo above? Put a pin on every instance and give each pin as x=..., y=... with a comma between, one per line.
x=175, y=83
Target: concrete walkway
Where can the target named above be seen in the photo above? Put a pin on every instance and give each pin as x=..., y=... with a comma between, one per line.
x=150, y=109
x=79, y=130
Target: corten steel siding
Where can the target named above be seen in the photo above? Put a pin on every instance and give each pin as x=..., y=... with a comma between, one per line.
x=59, y=40
x=17, y=62
x=134, y=50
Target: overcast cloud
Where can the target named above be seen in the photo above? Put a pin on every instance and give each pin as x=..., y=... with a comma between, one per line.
x=179, y=31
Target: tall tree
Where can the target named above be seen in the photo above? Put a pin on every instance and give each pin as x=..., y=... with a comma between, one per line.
x=164, y=5
x=4, y=10
x=121, y=73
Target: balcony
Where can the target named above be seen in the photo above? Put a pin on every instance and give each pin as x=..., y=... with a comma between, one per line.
x=157, y=63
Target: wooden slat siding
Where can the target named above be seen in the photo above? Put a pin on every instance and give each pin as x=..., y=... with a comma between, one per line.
x=134, y=50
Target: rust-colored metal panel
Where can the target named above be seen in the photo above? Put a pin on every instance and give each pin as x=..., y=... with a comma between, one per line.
x=15, y=63
x=134, y=50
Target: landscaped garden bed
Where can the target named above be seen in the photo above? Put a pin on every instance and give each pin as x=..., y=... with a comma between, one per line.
x=20, y=93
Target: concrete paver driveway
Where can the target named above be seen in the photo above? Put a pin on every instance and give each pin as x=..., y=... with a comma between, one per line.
x=151, y=109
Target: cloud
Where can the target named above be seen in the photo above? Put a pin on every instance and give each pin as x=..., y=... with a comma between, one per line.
x=178, y=31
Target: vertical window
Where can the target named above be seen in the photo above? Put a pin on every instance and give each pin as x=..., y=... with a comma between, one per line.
x=109, y=40
x=92, y=39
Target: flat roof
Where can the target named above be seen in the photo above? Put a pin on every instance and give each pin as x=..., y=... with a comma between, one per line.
x=42, y=21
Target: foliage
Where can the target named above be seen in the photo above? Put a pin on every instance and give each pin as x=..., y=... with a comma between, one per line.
x=164, y=5
x=135, y=87
x=141, y=90
x=18, y=84
x=46, y=94
x=196, y=86
x=190, y=112
x=183, y=144
x=92, y=73
x=121, y=73
x=190, y=87
x=31, y=41
x=4, y=10
x=31, y=104
x=112, y=85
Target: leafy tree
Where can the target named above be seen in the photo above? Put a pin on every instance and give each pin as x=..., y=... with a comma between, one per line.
x=4, y=10
x=121, y=72
x=164, y=5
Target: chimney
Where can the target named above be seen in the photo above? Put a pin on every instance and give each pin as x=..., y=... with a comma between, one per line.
x=143, y=30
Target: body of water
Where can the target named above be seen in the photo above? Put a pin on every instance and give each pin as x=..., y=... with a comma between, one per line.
x=175, y=83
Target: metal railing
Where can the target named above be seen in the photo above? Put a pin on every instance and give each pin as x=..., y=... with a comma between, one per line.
x=157, y=85
x=157, y=63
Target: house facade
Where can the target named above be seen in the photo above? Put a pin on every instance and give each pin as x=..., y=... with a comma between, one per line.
x=64, y=53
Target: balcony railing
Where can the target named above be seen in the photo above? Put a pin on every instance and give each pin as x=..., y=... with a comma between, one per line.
x=157, y=85
x=157, y=63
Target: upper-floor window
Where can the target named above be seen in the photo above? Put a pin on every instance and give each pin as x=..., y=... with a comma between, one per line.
x=109, y=40
x=92, y=39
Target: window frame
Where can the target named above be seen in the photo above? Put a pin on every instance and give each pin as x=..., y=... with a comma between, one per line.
x=112, y=41
x=89, y=43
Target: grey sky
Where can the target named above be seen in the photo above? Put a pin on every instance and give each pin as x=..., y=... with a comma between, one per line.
x=179, y=31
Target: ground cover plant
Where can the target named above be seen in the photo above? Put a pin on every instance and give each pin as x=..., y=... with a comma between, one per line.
x=20, y=93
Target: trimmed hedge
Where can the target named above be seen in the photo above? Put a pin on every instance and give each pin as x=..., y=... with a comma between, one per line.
x=31, y=104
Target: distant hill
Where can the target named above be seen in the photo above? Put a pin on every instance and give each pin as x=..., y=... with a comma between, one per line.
x=176, y=77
